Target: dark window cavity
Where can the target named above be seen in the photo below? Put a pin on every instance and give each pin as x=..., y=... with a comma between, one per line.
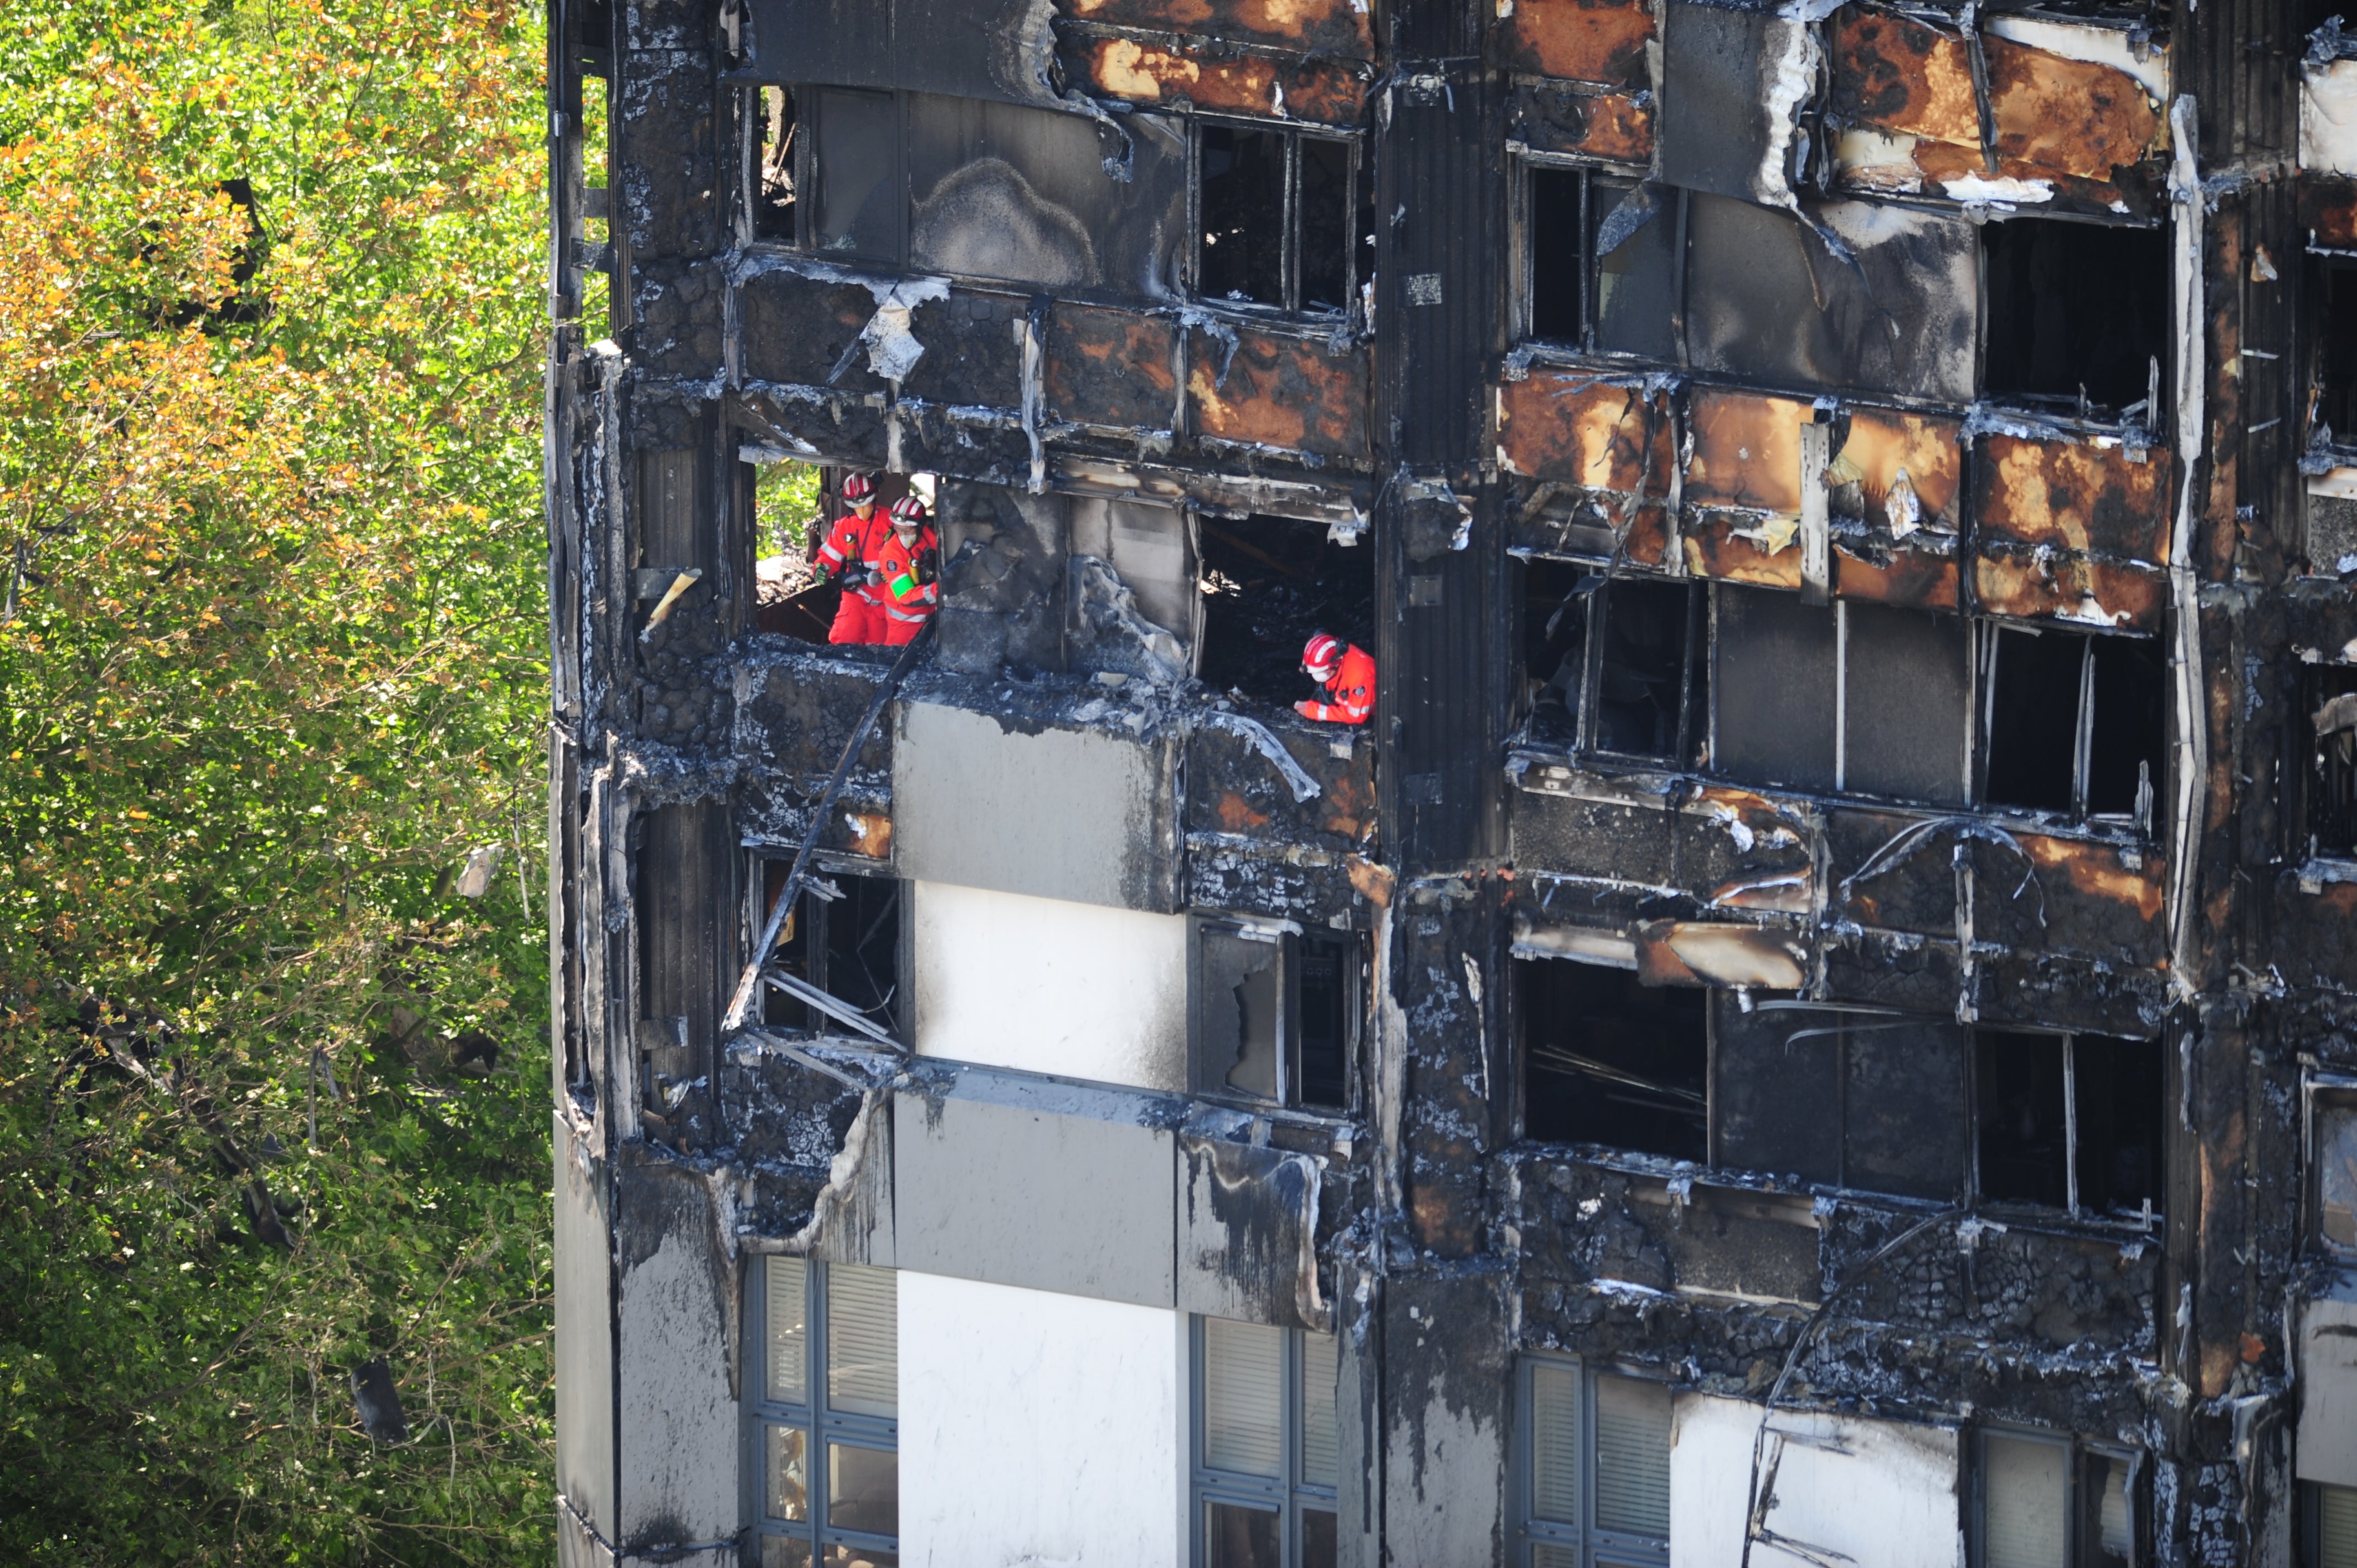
x=2336, y=352
x=774, y=175
x=2333, y=762
x=1602, y=263
x=859, y=175
x=1617, y=664
x=1591, y=1467
x=2077, y=723
x=1265, y=1450
x=1268, y=584
x=822, y=1409
x=2077, y=315
x=2069, y=1122
x=1276, y=1012
x=1274, y=212
x=2040, y=1498
x=1610, y=1061
x=836, y=967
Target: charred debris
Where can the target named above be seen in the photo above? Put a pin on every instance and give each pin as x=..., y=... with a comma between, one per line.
x=1818, y=1020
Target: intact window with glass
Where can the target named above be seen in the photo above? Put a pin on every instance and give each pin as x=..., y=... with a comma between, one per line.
x=1266, y=1465
x=1600, y=262
x=2332, y=1157
x=1592, y=1461
x=2070, y=1122
x=2045, y=1501
x=2076, y=723
x=1276, y=1012
x=2329, y=1526
x=836, y=965
x=824, y=1415
x=1277, y=217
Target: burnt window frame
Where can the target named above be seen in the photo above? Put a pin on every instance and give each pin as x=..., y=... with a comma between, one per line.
x=2073, y=1209
x=752, y=130
x=2154, y=415
x=807, y=193
x=1699, y=662
x=2323, y=1093
x=1288, y=937
x=825, y=871
x=1354, y=275
x=1523, y=1052
x=1521, y=253
x=1989, y=639
x=2081, y=1523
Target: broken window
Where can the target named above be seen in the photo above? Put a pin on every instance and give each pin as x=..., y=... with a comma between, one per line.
x=2332, y=1135
x=1619, y=661
x=1860, y=1098
x=2044, y=1501
x=1269, y=583
x=2336, y=350
x=772, y=181
x=1608, y=1062
x=2070, y=1122
x=1266, y=1447
x=1276, y=1012
x=2077, y=315
x=824, y=1423
x=2333, y=768
x=1593, y=1454
x=1601, y=270
x=836, y=967
x=2076, y=723
x=857, y=170
x=1274, y=209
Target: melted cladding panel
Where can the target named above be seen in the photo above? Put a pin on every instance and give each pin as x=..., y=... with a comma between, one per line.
x=2083, y=496
x=1586, y=40
x=1112, y=367
x=1279, y=391
x=1342, y=28
x=1219, y=78
x=1567, y=427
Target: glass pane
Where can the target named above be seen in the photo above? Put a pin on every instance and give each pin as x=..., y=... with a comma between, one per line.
x=788, y=1491
x=1632, y=1456
x=1236, y=1536
x=1243, y=255
x=789, y=1357
x=1636, y=278
x=2023, y=1484
x=2336, y=1526
x=863, y=1489
x=1318, y=1435
x=858, y=194
x=1325, y=232
x=1239, y=1013
x=2107, y=1478
x=863, y=1334
x=784, y=1552
x=1906, y=703
x=1318, y=1543
x=2336, y=1173
x=1555, y=1443
x=1244, y=1390
x=835, y=1554
x=1545, y=1556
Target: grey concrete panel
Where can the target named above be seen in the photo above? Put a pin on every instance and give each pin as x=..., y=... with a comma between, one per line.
x=1024, y=1194
x=584, y=1333
x=1446, y=1372
x=2327, y=1444
x=677, y=1411
x=1246, y=1220
x=1077, y=814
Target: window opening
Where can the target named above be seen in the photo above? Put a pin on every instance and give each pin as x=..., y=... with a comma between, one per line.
x=2336, y=352
x=2333, y=1135
x=837, y=962
x=825, y=1424
x=2077, y=315
x=1634, y=645
x=2076, y=722
x=1269, y=583
x=1274, y=209
x=1592, y=1468
x=1608, y=1062
x=774, y=209
x=1602, y=266
x=2070, y=1122
x=2332, y=766
x=2044, y=1501
x=1276, y=1013
x=1557, y=598
x=2329, y=1526
x=857, y=168
x=1266, y=1455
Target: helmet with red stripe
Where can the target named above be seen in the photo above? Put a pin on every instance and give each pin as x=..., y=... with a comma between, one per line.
x=1321, y=657
x=857, y=488
x=908, y=512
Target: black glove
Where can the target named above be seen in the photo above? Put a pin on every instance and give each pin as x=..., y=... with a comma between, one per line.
x=929, y=567
x=853, y=577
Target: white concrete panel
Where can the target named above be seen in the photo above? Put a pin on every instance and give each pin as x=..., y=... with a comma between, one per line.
x=1043, y=985
x=678, y=1439
x=2327, y=1443
x=1883, y=1492
x=1037, y=1430
x=2327, y=117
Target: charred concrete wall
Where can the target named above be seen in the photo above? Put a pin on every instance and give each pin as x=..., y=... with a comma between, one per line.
x=1852, y=507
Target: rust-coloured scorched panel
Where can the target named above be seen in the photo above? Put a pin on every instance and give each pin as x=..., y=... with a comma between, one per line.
x=2328, y=210
x=1112, y=367
x=1146, y=72
x=2047, y=585
x=2074, y=495
x=1569, y=428
x=1887, y=445
x=1911, y=579
x=1739, y=548
x=2073, y=115
x=1746, y=450
x=1901, y=75
x=1585, y=40
x=1312, y=26
x=1279, y=392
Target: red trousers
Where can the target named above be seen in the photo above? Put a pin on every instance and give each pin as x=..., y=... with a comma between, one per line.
x=900, y=633
x=858, y=618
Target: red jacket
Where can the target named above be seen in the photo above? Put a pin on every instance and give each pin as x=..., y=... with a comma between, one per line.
x=904, y=575
x=856, y=542
x=1352, y=689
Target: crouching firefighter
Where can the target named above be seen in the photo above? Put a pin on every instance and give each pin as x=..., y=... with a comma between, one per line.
x=1348, y=673
x=909, y=571
x=850, y=553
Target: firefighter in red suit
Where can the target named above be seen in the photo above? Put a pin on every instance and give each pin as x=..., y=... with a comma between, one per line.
x=908, y=572
x=851, y=553
x=1348, y=673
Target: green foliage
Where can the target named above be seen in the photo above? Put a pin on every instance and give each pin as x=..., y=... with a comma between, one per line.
x=271, y=665
x=785, y=506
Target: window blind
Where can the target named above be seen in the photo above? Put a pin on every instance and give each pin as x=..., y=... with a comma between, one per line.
x=789, y=1360
x=2336, y=1526
x=1555, y=1443
x=863, y=1340
x=1632, y=1456
x=1318, y=1433
x=2024, y=1485
x=2114, y=1526
x=1244, y=1398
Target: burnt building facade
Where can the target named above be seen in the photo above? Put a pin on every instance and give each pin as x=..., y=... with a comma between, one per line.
x=1817, y=1023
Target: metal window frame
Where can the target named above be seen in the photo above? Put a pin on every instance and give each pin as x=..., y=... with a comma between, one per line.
x=2077, y=1453
x=820, y=1425
x=1592, y=1545
x=902, y=1022
x=1701, y=645
x=1289, y=263
x=1287, y=935
x=2333, y=1091
x=1287, y=1495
